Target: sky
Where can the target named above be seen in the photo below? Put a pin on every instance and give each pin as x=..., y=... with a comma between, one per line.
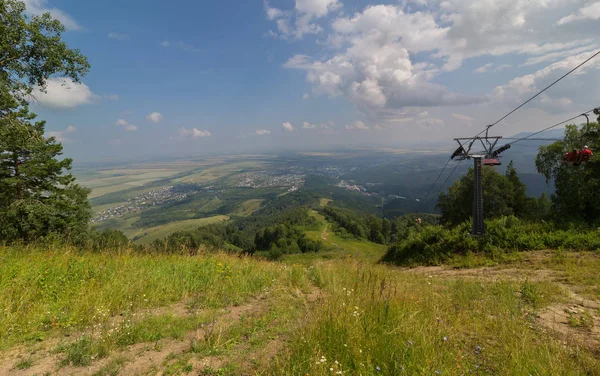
x=181, y=78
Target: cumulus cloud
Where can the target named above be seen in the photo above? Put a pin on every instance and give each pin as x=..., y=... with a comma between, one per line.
x=589, y=12
x=530, y=83
x=39, y=7
x=118, y=36
x=155, y=117
x=263, y=132
x=126, y=126
x=193, y=133
x=386, y=58
x=63, y=94
x=307, y=125
x=357, y=125
x=287, y=126
x=297, y=22
x=61, y=136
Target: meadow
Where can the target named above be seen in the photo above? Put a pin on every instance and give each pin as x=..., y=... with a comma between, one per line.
x=113, y=313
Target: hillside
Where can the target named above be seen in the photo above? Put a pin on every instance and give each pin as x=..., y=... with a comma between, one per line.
x=215, y=314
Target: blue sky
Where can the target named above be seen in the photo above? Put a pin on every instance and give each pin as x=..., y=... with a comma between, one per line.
x=182, y=77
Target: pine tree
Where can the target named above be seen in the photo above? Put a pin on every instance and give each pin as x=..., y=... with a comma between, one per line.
x=36, y=197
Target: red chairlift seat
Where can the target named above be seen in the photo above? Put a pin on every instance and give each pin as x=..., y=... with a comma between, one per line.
x=577, y=157
x=491, y=162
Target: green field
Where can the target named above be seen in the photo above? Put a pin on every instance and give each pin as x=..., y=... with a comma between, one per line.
x=148, y=234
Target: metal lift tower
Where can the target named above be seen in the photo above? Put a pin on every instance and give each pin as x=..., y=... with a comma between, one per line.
x=487, y=157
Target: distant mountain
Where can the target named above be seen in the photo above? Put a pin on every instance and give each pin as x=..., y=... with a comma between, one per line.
x=552, y=133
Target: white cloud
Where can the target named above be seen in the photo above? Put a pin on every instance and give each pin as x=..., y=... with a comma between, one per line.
x=357, y=125
x=483, y=68
x=287, y=126
x=554, y=56
x=502, y=67
x=307, y=125
x=61, y=136
x=560, y=98
x=386, y=58
x=305, y=96
x=155, y=117
x=430, y=122
x=126, y=126
x=463, y=117
x=113, y=97
x=118, y=36
x=39, y=7
x=180, y=45
x=187, y=47
x=589, y=12
x=63, y=93
x=297, y=22
x=194, y=133
x=317, y=8
x=263, y=132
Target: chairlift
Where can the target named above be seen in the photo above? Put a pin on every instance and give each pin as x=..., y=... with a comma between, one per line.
x=576, y=157
x=488, y=161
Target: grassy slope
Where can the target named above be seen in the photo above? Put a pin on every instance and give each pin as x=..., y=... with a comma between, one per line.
x=149, y=234
x=338, y=247
x=367, y=319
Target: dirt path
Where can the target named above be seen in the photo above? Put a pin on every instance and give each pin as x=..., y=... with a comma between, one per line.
x=575, y=320
x=324, y=233
x=153, y=358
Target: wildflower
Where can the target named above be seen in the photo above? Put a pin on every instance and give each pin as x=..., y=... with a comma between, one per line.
x=445, y=338
x=377, y=368
x=410, y=342
x=478, y=349
x=336, y=362
x=438, y=372
x=331, y=369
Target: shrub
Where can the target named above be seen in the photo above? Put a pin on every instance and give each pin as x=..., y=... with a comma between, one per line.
x=436, y=244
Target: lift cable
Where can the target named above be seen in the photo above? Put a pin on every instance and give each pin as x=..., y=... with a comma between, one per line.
x=550, y=127
x=538, y=94
x=443, y=184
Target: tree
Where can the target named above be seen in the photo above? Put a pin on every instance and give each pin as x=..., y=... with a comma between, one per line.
x=36, y=197
x=577, y=196
x=31, y=51
x=502, y=195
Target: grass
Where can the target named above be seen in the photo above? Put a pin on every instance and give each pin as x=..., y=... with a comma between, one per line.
x=368, y=319
x=248, y=207
x=149, y=234
x=378, y=321
x=339, y=248
x=51, y=291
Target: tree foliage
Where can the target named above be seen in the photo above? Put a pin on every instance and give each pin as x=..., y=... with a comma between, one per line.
x=577, y=196
x=503, y=195
x=31, y=51
x=36, y=198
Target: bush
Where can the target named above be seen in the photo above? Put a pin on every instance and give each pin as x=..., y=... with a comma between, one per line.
x=436, y=244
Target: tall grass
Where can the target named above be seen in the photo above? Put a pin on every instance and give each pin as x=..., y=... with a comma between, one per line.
x=49, y=290
x=377, y=321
